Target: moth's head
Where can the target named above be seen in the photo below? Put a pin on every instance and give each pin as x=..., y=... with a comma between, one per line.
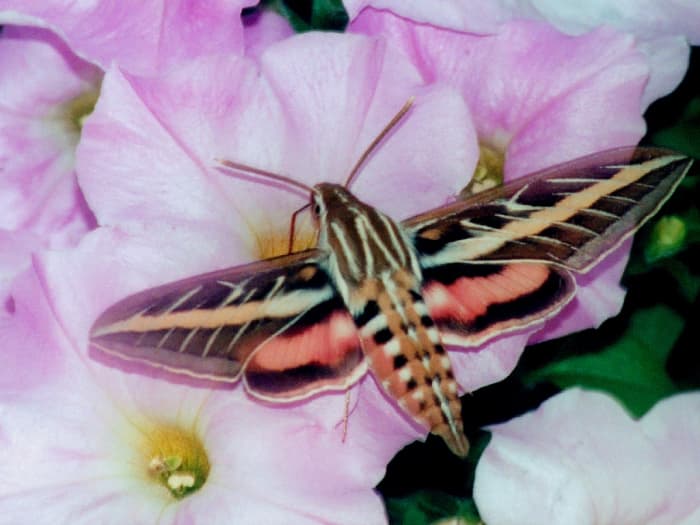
x=332, y=202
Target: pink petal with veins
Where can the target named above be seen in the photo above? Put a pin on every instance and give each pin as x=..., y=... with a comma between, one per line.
x=580, y=458
x=144, y=37
x=262, y=29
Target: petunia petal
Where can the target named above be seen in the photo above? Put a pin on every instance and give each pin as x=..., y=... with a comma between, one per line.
x=38, y=191
x=462, y=15
x=538, y=95
x=288, y=115
x=668, y=58
x=599, y=297
x=661, y=29
x=262, y=29
x=27, y=335
x=491, y=362
x=581, y=459
x=645, y=18
x=143, y=37
x=672, y=425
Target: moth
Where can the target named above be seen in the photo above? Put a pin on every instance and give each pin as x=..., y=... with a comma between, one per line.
x=387, y=297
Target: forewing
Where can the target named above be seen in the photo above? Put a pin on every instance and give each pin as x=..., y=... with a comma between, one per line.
x=280, y=321
x=571, y=215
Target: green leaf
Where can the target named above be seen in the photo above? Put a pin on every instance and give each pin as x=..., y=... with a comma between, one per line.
x=691, y=219
x=688, y=281
x=297, y=22
x=684, y=135
x=631, y=369
x=423, y=507
x=328, y=15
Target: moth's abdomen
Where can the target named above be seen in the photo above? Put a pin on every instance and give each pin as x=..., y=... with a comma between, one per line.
x=404, y=351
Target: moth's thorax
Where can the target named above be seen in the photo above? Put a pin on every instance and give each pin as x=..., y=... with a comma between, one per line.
x=362, y=242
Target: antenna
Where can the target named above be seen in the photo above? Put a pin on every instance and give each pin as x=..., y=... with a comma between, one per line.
x=291, y=182
x=373, y=145
x=274, y=176
x=263, y=173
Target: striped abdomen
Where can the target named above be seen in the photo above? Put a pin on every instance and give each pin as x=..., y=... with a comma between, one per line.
x=404, y=352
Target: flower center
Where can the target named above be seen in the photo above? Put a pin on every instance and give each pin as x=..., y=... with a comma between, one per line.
x=276, y=243
x=488, y=173
x=176, y=459
x=80, y=107
x=74, y=111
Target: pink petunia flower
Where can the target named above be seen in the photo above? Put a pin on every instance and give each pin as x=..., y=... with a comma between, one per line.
x=580, y=458
x=86, y=443
x=662, y=30
x=46, y=93
x=48, y=90
x=537, y=97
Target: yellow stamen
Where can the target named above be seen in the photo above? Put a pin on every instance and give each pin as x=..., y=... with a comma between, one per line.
x=488, y=173
x=74, y=112
x=176, y=459
x=276, y=243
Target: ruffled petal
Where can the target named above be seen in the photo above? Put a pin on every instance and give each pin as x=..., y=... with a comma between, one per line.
x=580, y=458
x=537, y=95
x=672, y=424
x=491, y=362
x=38, y=191
x=599, y=297
x=139, y=160
x=668, y=58
x=142, y=36
x=472, y=16
x=660, y=29
x=644, y=18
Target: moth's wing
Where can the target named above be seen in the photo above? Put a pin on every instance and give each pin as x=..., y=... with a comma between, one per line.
x=570, y=215
x=500, y=260
x=279, y=323
x=474, y=303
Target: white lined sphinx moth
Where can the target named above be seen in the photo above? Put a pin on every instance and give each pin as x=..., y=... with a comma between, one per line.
x=385, y=296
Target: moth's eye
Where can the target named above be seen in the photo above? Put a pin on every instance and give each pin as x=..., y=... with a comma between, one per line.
x=317, y=208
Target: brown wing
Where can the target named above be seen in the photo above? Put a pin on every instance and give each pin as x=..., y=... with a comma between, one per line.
x=280, y=321
x=500, y=260
x=570, y=215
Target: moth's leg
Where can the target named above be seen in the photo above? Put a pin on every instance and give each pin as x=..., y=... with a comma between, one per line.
x=346, y=415
x=292, y=226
